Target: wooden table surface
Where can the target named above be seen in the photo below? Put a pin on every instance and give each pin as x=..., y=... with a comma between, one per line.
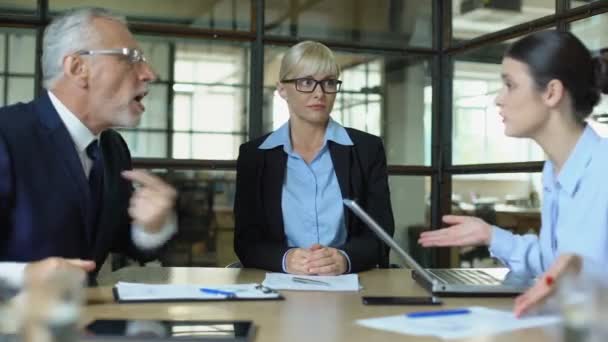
x=302, y=316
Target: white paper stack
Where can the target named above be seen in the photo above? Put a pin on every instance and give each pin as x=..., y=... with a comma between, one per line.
x=282, y=281
x=479, y=322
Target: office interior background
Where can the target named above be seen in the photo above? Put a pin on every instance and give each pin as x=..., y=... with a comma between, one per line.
x=422, y=74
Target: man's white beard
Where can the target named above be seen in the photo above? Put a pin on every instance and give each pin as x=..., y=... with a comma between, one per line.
x=126, y=119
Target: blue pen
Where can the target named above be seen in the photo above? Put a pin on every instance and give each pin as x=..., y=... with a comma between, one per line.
x=449, y=312
x=228, y=294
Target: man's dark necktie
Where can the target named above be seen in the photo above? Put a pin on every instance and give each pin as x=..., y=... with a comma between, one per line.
x=95, y=181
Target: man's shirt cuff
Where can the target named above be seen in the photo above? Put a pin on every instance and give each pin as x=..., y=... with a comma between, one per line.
x=13, y=273
x=144, y=240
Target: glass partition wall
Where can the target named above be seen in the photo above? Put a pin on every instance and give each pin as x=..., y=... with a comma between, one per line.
x=420, y=74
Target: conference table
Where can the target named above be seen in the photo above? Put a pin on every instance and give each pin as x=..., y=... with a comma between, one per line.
x=302, y=316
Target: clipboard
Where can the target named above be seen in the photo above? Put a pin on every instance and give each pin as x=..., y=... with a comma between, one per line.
x=125, y=293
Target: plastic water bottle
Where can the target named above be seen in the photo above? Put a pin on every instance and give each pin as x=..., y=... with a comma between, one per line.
x=52, y=308
x=7, y=326
x=583, y=304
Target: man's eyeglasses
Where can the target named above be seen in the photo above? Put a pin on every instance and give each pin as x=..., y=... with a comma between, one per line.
x=308, y=85
x=133, y=55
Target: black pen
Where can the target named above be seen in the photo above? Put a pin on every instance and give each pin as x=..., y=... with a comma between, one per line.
x=310, y=281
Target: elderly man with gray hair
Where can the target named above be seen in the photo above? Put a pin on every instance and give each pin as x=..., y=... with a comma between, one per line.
x=66, y=193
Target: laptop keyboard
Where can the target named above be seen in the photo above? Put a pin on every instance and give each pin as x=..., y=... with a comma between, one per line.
x=464, y=277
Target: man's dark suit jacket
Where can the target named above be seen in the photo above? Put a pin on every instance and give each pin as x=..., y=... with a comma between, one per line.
x=44, y=193
x=259, y=239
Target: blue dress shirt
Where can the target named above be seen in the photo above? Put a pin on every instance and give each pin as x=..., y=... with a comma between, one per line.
x=574, y=215
x=311, y=199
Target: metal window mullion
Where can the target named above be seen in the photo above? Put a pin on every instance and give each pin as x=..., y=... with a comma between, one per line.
x=244, y=90
x=562, y=6
x=441, y=146
x=256, y=93
x=43, y=8
x=6, y=71
x=170, y=100
x=234, y=14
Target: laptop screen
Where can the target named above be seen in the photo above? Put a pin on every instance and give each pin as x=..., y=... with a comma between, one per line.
x=381, y=233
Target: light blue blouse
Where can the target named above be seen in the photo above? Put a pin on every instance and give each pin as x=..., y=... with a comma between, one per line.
x=574, y=215
x=311, y=199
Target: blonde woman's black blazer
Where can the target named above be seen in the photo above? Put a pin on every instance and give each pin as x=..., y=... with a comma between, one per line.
x=260, y=240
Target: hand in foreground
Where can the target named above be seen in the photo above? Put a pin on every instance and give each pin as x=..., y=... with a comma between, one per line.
x=544, y=287
x=152, y=202
x=41, y=271
x=326, y=261
x=463, y=231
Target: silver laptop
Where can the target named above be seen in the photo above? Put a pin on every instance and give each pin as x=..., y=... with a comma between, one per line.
x=488, y=282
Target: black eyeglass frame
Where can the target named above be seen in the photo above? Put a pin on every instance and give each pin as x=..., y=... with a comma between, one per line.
x=317, y=83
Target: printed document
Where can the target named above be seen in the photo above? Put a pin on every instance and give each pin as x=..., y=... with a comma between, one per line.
x=479, y=322
x=154, y=292
x=282, y=281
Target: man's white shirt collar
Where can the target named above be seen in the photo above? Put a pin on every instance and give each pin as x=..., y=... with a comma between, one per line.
x=81, y=135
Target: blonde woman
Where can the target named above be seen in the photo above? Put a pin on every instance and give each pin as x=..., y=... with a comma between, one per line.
x=288, y=209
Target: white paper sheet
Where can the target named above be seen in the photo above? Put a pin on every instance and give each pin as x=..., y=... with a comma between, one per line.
x=138, y=291
x=282, y=281
x=480, y=322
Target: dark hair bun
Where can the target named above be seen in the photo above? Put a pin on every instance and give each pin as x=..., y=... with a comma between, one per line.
x=591, y=99
x=560, y=55
x=600, y=70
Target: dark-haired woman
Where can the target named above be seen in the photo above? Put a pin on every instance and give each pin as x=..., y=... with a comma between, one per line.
x=550, y=85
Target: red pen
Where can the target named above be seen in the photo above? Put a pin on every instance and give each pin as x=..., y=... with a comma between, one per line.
x=549, y=280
